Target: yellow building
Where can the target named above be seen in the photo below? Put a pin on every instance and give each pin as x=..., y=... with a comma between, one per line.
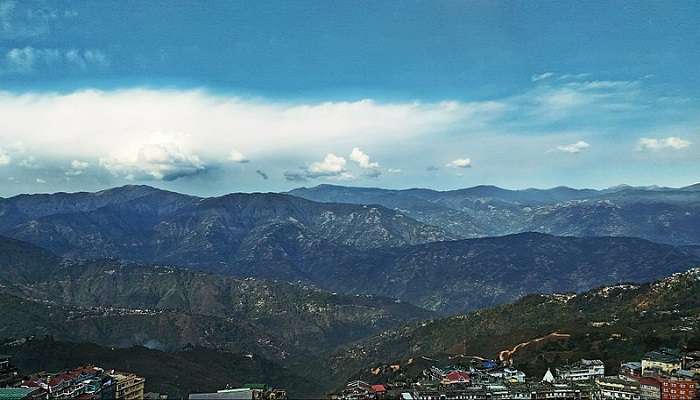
x=128, y=386
x=662, y=361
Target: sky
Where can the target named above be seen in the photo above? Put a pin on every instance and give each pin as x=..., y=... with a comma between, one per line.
x=215, y=97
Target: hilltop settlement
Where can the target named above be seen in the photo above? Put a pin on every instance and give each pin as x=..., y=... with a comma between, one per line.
x=95, y=383
x=665, y=374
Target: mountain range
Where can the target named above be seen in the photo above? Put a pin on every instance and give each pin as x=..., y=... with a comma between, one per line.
x=144, y=224
x=361, y=248
x=322, y=283
x=312, y=340
x=664, y=215
x=281, y=316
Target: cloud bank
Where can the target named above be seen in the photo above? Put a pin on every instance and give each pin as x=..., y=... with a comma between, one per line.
x=654, y=144
x=172, y=135
x=156, y=161
x=166, y=135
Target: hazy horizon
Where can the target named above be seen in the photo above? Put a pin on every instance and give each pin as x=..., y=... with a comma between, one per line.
x=162, y=187
x=233, y=97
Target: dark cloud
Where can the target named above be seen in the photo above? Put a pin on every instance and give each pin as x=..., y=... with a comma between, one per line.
x=262, y=174
x=296, y=176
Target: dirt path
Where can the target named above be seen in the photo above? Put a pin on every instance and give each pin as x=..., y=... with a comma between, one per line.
x=506, y=356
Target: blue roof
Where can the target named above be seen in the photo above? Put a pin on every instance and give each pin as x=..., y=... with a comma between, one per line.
x=15, y=393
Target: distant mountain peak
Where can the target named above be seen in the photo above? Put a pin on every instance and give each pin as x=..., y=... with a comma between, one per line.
x=693, y=187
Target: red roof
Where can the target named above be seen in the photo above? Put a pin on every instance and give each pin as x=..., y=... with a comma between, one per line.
x=647, y=381
x=378, y=388
x=458, y=376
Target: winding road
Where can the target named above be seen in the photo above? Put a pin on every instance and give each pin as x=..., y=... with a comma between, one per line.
x=506, y=356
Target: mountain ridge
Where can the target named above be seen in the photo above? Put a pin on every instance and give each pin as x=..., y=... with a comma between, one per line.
x=663, y=215
x=147, y=225
x=614, y=323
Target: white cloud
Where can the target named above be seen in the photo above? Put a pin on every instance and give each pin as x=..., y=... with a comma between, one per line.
x=156, y=161
x=119, y=131
x=86, y=58
x=40, y=181
x=77, y=167
x=581, y=101
x=574, y=76
x=30, y=162
x=331, y=165
x=237, y=156
x=113, y=125
x=28, y=59
x=574, y=148
x=394, y=170
x=362, y=159
x=560, y=99
x=460, y=163
x=29, y=19
x=603, y=85
x=77, y=164
x=5, y=158
x=671, y=142
x=543, y=76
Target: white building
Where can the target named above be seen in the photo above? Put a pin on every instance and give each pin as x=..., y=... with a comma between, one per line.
x=584, y=370
x=618, y=388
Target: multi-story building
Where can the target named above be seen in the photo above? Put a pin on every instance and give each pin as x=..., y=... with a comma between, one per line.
x=85, y=383
x=676, y=388
x=127, y=386
x=563, y=391
x=650, y=387
x=516, y=391
x=355, y=390
x=508, y=374
x=631, y=368
x=690, y=357
x=691, y=361
x=619, y=388
x=664, y=360
x=584, y=370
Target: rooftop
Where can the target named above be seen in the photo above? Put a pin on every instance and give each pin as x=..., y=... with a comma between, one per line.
x=614, y=380
x=658, y=356
x=15, y=393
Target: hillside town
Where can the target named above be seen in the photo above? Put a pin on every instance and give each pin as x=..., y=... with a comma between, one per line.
x=664, y=374
x=95, y=383
x=81, y=383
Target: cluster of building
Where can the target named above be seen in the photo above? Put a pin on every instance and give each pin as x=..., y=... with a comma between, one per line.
x=247, y=392
x=83, y=383
x=664, y=374
x=94, y=383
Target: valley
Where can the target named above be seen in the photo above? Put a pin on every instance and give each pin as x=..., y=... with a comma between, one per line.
x=323, y=292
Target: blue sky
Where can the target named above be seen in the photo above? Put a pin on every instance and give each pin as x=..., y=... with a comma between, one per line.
x=216, y=97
